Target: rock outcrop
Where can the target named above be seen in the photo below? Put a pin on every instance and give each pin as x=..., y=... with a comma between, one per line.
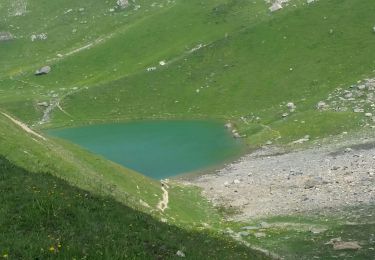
x=6, y=36
x=122, y=3
x=42, y=71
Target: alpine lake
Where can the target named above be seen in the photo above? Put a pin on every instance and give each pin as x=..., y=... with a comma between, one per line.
x=158, y=149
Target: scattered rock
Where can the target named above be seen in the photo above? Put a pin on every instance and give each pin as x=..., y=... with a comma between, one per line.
x=259, y=234
x=151, y=69
x=368, y=114
x=291, y=106
x=236, y=135
x=236, y=181
x=228, y=231
x=264, y=224
x=358, y=110
x=243, y=233
x=42, y=71
x=317, y=230
x=322, y=105
x=285, y=115
x=43, y=104
x=361, y=87
x=180, y=253
x=333, y=240
x=144, y=204
x=312, y=183
x=5, y=36
x=250, y=228
x=228, y=125
x=41, y=37
x=276, y=6
x=341, y=245
x=302, y=140
x=122, y=3
x=17, y=8
x=308, y=180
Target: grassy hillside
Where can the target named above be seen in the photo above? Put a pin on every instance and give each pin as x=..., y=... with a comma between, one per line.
x=102, y=177
x=252, y=72
x=41, y=203
x=231, y=60
x=44, y=217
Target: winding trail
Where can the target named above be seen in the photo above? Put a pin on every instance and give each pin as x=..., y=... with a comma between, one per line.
x=163, y=204
x=23, y=126
x=47, y=112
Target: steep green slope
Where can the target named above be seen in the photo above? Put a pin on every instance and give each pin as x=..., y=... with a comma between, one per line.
x=138, y=42
x=231, y=60
x=75, y=165
x=67, y=26
x=100, y=176
x=299, y=57
x=44, y=217
x=225, y=59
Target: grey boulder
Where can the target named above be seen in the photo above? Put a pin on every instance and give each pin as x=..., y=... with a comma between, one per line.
x=42, y=71
x=5, y=36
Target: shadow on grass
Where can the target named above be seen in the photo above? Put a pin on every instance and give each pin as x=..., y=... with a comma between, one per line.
x=44, y=217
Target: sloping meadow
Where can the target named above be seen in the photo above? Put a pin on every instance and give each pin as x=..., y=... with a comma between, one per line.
x=232, y=62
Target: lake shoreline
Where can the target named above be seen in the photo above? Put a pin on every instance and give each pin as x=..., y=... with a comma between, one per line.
x=158, y=149
x=275, y=181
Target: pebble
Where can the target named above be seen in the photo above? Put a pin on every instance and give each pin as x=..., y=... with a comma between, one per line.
x=180, y=253
x=277, y=182
x=260, y=234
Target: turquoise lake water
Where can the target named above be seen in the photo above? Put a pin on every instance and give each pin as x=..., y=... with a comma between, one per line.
x=158, y=149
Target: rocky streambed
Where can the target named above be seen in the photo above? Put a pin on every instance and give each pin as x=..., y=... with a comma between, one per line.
x=272, y=181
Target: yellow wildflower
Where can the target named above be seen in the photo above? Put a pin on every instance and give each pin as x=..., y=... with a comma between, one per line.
x=52, y=249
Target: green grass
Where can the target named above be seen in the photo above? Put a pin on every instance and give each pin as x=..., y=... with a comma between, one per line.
x=102, y=177
x=43, y=217
x=291, y=236
x=243, y=72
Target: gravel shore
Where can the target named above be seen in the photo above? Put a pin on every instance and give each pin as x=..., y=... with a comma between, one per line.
x=272, y=182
